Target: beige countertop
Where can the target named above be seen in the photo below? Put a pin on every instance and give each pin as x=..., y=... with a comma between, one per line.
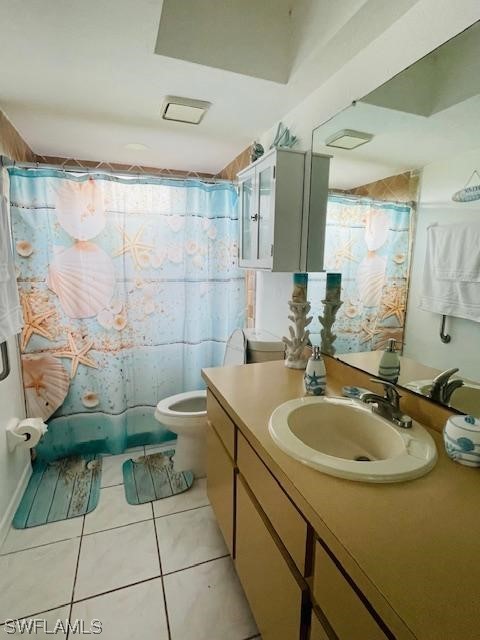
x=415, y=543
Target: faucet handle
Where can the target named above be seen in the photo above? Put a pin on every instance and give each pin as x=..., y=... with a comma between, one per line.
x=390, y=391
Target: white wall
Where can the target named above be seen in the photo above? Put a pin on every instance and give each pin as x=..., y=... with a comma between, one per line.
x=427, y=25
x=439, y=181
x=14, y=467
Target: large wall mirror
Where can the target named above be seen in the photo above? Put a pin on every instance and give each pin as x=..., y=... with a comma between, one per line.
x=403, y=223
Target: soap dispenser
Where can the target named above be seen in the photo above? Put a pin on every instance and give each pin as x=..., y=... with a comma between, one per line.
x=389, y=368
x=315, y=378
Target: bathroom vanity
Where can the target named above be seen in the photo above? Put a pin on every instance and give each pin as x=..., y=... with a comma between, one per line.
x=324, y=558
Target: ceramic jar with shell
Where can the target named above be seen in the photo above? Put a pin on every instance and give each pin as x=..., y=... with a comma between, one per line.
x=462, y=440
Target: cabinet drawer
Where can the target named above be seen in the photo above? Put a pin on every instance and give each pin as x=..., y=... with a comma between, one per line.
x=222, y=423
x=342, y=606
x=273, y=593
x=286, y=520
x=220, y=485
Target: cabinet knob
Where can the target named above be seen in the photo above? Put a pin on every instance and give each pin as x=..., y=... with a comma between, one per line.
x=254, y=218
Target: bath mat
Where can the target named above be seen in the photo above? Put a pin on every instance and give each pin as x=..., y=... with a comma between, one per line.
x=60, y=490
x=152, y=477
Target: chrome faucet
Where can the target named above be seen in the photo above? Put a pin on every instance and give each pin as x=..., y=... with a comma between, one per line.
x=441, y=389
x=388, y=405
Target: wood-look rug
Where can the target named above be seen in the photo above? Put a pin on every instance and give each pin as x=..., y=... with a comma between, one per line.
x=60, y=490
x=152, y=477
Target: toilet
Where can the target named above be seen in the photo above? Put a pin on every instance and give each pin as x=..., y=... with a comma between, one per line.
x=186, y=413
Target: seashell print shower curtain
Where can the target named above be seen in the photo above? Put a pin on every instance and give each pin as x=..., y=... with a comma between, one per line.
x=128, y=288
x=368, y=242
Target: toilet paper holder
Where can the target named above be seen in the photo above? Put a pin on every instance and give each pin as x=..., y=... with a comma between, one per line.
x=15, y=439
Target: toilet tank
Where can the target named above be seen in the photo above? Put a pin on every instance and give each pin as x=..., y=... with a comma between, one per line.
x=263, y=346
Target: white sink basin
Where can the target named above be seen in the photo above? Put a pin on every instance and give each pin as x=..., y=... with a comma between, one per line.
x=344, y=438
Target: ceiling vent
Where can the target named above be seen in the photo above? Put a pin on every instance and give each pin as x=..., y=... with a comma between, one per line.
x=184, y=109
x=348, y=139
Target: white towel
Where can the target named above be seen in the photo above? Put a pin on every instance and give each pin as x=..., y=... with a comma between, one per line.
x=456, y=251
x=447, y=297
x=11, y=319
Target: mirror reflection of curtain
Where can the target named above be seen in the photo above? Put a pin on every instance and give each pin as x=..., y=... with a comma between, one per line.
x=128, y=288
x=369, y=243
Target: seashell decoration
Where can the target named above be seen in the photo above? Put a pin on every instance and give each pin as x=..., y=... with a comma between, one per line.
x=46, y=383
x=24, y=248
x=83, y=279
x=80, y=208
x=191, y=247
x=176, y=223
x=119, y=322
x=370, y=280
x=158, y=258
x=116, y=306
x=175, y=254
x=143, y=260
x=90, y=399
x=376, y=229
x=350, y=310
x=105, y=318
x=149, y=307
x=399, y=258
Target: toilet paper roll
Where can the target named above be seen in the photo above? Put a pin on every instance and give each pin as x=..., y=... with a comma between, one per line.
x=29, y=432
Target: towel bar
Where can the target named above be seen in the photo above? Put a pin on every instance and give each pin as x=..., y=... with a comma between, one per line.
x=5, y=361
x=444, y=337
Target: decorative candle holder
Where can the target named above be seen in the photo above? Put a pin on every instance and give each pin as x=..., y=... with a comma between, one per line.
x=295, y=345
x=327, y=320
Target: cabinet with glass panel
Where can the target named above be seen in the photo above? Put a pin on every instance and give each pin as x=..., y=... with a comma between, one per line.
x=281, y=228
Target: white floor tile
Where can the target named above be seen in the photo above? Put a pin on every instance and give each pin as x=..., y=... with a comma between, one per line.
x=133, y=612
x=188, y=538
x=195, y=497
x=208, y=603
x=112, y=467
x=113, y=510
x=47, y=624
x=37, y=579
x=52, y=532
x=116, y=558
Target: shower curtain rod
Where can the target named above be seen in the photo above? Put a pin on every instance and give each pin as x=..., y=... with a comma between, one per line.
x=143, y=173
x=352, y=196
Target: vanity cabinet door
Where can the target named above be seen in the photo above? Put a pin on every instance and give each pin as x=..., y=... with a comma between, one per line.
x=271, y=589
x=220, y=484
x=342, y=606
x=248, y=219
x=265, y=175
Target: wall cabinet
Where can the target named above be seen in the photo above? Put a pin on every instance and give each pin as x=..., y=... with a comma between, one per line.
x=296, y=588
x=282, y=222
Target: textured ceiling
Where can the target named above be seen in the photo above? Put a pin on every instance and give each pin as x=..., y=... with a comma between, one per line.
x=82, y=79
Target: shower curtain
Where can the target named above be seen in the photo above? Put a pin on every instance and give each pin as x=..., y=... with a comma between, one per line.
x=368, y=242
x=128, y=288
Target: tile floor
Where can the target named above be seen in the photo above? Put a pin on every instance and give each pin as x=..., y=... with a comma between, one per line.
x=154, y=571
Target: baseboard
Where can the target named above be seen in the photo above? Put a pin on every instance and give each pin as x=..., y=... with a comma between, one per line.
x=15, y=501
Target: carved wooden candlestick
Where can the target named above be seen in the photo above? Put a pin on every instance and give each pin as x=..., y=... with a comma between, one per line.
x=327, y=320
x=295, y=345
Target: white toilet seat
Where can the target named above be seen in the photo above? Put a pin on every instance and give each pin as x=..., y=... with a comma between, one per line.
x=183, y=408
